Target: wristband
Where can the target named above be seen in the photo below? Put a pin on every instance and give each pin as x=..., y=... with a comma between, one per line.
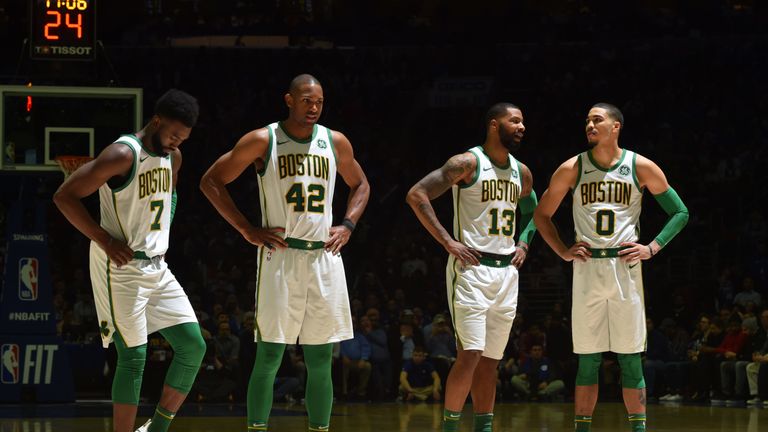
x=348, y=224
x=650, y=249
x=523, y=248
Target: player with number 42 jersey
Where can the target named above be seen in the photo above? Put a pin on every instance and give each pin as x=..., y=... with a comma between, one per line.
x=301, y=289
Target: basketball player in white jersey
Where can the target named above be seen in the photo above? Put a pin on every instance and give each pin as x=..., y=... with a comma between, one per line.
x=134, y=290
x=606, y=184
x=301, y=289
x=482, y=273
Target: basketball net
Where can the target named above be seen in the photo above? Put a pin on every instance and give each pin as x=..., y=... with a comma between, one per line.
x=70, y=164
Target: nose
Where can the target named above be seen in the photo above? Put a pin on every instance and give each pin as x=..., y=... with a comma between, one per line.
x=521, y=128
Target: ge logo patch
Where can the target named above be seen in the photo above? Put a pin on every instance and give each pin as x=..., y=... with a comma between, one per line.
x=322, y=144
x=514, y=173
x=624, y=170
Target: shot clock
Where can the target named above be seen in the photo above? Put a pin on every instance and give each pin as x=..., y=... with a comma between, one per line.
x=63, y=29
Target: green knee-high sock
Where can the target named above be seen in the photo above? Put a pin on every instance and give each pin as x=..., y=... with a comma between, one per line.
x=483, y=422
x=637, y=422
x=319, y=394
x=451, y=420
x=161, y=421
x=268, y=358
x=582, y=423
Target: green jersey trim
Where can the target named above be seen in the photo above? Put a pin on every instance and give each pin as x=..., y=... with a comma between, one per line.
x=634, y=171
x=141, y=144
x=263, y=170
x=616, y=165
x=300, y=141
x=134, y=167
x=459, y=234
x=453, y=298
x=111, y=305
x=509, y=164
x=333, y=148
x=578, y=175
x=520, y=173
x=258, y=291
x=117, y=216
x=477, y=171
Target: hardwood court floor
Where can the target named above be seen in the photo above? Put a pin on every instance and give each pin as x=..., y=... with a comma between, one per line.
x=390, y=417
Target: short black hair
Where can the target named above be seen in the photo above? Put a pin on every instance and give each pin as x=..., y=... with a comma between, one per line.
x=420, y=348
x=613, y=112
x=301, y=80
x=497, y=110
x=178, y=105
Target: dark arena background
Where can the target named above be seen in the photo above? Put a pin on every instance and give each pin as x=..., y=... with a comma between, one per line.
x=408, y=82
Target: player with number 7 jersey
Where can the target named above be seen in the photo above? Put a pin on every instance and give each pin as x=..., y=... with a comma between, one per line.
x=301, y=290
x=134, y=290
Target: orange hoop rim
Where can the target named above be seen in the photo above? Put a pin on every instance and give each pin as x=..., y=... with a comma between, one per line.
x=70, y=163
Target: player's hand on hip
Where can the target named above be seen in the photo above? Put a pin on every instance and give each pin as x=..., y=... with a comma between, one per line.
x=520, y=256
x=266, y=237
x=580, y=251
x=634, y=252
x=463, y=253
x=339, y=237
x=118, y=252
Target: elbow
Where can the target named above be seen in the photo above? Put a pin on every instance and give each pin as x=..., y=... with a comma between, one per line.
x=206, y=183
x=58, y=198
x=413, y=197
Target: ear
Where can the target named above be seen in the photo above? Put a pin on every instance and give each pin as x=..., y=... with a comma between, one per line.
x=493, y=124
x=288, y=100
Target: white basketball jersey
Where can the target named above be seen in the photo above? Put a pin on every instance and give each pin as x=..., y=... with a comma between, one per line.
x=296, y=183
x=139, y=211
x=606, y=202
x=484, y=210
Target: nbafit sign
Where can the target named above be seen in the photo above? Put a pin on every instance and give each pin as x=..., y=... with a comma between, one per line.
x=34, y=368
x=28, y=278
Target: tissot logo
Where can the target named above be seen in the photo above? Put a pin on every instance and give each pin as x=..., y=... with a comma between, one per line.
x=63, y=50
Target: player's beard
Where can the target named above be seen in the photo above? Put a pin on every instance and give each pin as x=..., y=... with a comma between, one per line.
x=157, y=144
x=508, y=140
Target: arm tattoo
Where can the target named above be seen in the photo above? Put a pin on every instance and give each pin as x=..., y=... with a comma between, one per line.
x=439, y=181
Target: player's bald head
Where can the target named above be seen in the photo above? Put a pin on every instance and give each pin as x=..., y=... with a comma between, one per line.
x=301, y=81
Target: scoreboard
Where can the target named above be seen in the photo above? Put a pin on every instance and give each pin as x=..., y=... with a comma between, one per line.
x=62, y=29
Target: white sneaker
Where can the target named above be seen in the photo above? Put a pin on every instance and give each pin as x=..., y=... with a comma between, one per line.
x=665, y=397
x=145, y=426
x=675, y=398
x=755, y=401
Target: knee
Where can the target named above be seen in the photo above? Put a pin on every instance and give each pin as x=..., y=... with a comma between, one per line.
x=589, y=367
x=631, y=371
x=132, y=359
x=194, y=350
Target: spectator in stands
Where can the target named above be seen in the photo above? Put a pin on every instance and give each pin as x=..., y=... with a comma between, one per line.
x=757, y=370
x=656, y=357
x=705, y=366
x=733, y=341
x=733, y=369
x=215, y=382
x=381, y=364
x=247, y=354
x=227, y=345
x=677, y=367
x=418, y=379
x=533, y=336
x=356, y=366
x=441, y=345
x=537, y=377
x=748, y=294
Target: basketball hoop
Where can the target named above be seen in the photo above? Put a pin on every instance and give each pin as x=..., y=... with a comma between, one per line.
x=70, y=164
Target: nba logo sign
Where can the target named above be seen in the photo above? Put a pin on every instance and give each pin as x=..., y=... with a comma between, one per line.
x=10, y=367
x=28, y=268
